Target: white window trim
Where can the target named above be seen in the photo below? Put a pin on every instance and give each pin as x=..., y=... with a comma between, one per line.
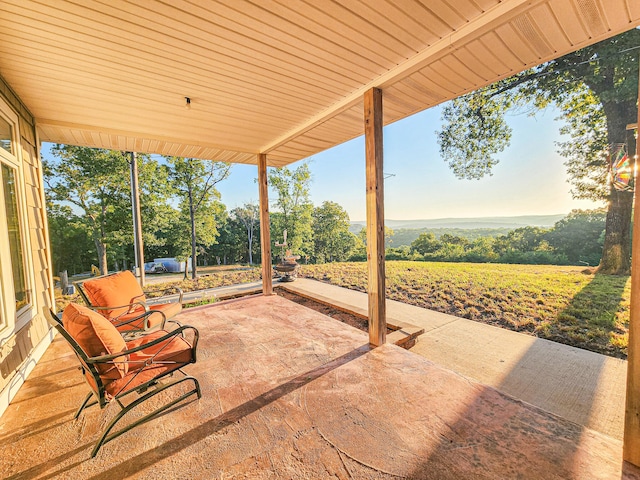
x=15, y=320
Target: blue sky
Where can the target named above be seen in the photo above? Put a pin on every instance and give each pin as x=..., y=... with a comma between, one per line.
x=529, y=180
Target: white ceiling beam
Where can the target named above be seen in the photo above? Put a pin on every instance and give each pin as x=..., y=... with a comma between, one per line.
x=43, y=123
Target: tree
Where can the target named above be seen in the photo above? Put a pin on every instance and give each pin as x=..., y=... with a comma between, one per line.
x=388, y=237
x=229, y=244
x=96, y=182
x=447, y=238
x=596, y=89
x=579, y=236
x=481, y=250
x=157, y=212
x=72, y=247
x=425, y=243
x=292, y=208
x=194, y=182
x=249, y=217
x=333, y=242
x=520, y=240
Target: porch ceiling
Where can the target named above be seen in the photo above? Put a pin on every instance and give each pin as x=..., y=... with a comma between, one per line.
x=284, y=78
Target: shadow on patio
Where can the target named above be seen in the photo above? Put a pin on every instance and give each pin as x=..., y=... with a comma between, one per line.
x=291, y=393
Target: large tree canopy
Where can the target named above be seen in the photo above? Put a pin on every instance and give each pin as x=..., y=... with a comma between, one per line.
x=72, y=247
x=596, y=90
x=333, y=242
x=249, y=217
x=96, y=183
x=194, y=182
x=293, y=208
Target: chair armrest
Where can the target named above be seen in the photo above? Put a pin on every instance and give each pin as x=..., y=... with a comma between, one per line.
x=144, y=313
x=128, y=306
x=52, y=317
x=79, y=286
x=147, y=313
x=174, y=333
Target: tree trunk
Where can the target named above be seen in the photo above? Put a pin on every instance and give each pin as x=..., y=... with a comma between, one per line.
x=101, y=246
x=193, y=243
x=64, y=282
x=616, y=251
x=102, y=256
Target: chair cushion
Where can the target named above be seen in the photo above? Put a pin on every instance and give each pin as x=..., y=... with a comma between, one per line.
x=174, y=353
x=117, y=289
x=96, y=336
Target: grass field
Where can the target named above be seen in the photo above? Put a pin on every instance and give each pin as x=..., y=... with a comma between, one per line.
x=211, y=278
x=557, y=303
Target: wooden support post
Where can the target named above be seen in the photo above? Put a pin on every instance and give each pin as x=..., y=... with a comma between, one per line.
x=631, y=439
x=265, y=231
x=375, y=216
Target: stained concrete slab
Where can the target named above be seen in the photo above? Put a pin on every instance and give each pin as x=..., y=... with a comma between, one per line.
x=291, y=393
x=581, y=386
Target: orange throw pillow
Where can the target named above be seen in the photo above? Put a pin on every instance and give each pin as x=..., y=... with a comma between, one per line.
x=96, y=336
x=117, y=289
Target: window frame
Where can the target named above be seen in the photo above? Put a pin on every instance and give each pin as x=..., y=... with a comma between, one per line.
x=12, y=320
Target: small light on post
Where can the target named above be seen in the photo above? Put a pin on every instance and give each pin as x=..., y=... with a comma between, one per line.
x=187, y=103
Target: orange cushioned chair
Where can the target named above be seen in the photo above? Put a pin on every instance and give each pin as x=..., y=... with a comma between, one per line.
x=119, y=298
x=114, y=368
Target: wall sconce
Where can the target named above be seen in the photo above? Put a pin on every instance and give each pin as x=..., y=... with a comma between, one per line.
x=187, y=103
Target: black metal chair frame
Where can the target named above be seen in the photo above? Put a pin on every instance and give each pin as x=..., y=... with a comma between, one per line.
x=89, y=364
x=145, y=306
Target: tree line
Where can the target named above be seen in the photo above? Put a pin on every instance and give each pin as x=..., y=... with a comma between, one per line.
x=577, y=239
x=183, y=215
x=90, y=217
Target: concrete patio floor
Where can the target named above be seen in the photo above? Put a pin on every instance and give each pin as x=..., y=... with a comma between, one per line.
x=585, y=387
x=291, y=393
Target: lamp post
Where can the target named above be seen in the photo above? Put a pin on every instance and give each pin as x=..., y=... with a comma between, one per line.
x=138, y=246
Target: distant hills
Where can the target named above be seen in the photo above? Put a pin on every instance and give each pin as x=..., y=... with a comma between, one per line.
x=469, y=223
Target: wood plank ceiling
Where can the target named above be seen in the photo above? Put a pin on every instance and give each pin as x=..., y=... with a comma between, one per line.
x=281, y=77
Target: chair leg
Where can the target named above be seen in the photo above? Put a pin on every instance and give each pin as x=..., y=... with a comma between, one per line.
x=107, y=438
x=84, y=405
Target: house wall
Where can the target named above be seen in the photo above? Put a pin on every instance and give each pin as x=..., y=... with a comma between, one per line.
x=21, y=348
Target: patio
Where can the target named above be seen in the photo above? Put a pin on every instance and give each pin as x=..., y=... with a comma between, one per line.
x=287, y=392
x=291, y=393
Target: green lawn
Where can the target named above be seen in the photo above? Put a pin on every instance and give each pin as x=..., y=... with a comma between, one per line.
x=557, y=303
x=211, y=277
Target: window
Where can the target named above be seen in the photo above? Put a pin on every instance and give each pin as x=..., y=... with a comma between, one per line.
x=6, y=136
x=21, y=292
x=16, y=295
